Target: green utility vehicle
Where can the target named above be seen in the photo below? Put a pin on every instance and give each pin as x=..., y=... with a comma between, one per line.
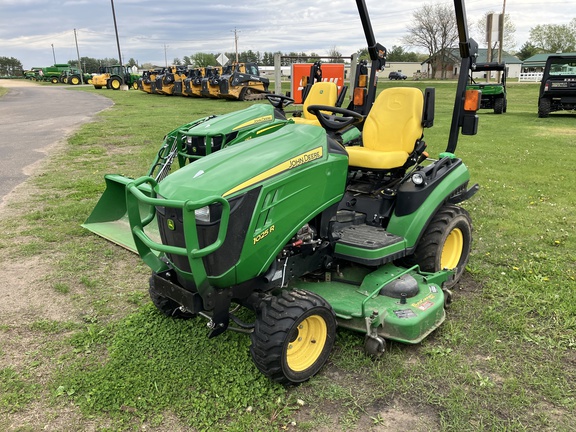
x=558, y=87
x=310, y=233
x=493, y=93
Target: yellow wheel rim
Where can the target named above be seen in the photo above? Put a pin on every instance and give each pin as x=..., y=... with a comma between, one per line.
x=452, y=250
x=306, y=347
x=115, y=84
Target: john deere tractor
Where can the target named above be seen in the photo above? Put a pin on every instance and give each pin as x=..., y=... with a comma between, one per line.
x=310, y=231
x=114, y=77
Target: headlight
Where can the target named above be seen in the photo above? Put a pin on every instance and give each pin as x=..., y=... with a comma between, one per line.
x=203, y=214
x=417, y=178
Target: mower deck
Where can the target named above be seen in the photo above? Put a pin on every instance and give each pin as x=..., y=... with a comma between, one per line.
x=398, y=304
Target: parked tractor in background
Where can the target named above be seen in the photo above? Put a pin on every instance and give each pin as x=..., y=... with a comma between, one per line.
x=242, y=81
x=147, y=82
x=210, y=81
x=53, y=73
x=193, y=82
x=493, y=93
x=74, y=76
x=170, y=80
x=114, y=77
x=558, y=87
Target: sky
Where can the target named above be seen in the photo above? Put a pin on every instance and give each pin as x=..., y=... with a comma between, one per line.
x=38, y=31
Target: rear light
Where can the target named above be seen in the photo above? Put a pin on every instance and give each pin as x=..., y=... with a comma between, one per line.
x=359, y=96
x=362, y=80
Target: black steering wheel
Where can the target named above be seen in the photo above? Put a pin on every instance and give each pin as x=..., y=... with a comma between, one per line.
x=332, y=122
x=279, y=101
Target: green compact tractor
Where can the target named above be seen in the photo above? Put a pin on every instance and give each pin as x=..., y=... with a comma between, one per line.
x=307, y=229
x=493, y=93
x=114, y=77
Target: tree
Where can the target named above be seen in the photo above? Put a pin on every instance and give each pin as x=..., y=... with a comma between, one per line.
x=554, y=37
x=434, y=29
x=333, y=52
x=527, y=51
x=203, y=60
x=508, y=41
x=10, y=66
x=92, y=65
x=397, y=54
x=363, y=54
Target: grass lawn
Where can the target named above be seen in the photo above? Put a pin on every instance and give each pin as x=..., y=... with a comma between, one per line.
x=504, y=360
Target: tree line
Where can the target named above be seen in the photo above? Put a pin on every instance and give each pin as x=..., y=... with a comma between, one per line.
x=10, y=66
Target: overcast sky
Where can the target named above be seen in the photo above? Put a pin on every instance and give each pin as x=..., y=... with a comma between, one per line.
x=152, y=30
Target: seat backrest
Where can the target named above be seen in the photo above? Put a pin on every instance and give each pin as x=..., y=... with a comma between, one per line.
x=395, y=121
x=321, y=93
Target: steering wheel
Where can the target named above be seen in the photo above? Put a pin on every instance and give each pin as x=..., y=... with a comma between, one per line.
x=279, y=101
x=331, y=122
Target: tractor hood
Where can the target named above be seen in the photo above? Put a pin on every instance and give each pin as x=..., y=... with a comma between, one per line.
x=258, y=114
x=246, y=165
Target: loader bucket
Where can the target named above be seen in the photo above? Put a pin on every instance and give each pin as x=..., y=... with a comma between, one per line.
x=109, y=219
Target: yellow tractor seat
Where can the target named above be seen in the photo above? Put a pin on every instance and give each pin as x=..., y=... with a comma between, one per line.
x=391, y=130
x=321, y=93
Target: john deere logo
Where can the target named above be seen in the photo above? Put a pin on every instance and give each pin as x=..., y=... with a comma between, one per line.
x=321, y=91
x=170, y=224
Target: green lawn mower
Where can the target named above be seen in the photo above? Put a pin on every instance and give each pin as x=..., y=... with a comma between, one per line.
x=312, y=231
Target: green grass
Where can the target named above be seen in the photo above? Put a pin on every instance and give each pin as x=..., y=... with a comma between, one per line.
x=504, y=359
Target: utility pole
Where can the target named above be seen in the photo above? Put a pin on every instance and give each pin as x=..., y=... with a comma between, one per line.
x=165, y=55
x=79, y=64
x=236, y=42
x=116, y=30
x=53, y=53
x=501, y=39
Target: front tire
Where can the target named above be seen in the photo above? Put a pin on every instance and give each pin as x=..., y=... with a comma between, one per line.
x=446, y=243
x=293, y=336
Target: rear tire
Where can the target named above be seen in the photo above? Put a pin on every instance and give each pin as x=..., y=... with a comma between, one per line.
x=544, y=106
x=293, y=336
x=499, y=106
x=446, y=243
x=115, y=83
